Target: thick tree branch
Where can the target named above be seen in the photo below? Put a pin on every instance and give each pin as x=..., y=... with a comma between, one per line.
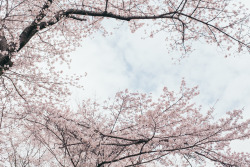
x=31, y=30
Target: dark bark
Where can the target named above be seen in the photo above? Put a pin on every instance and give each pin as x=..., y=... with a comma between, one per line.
x=5, y=59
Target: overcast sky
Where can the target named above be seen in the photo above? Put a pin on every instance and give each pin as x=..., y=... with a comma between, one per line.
x=125, y=60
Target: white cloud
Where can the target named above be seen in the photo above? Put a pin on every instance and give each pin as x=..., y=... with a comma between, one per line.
x=124, y=60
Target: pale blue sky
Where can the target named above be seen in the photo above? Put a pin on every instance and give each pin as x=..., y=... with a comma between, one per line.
x=124, y=60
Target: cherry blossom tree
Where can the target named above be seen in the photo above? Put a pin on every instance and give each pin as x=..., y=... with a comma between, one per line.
x=27, y=25
x=134, y=129
x=35, y=35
